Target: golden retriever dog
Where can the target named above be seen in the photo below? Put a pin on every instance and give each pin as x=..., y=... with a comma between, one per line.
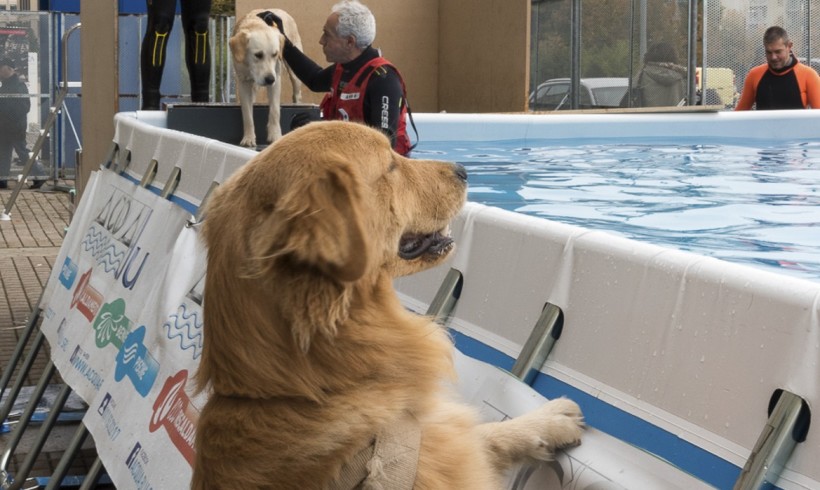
x=256, y=50
x=318, y=377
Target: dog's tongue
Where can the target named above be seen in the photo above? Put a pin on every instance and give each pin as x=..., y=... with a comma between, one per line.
x=414, y=246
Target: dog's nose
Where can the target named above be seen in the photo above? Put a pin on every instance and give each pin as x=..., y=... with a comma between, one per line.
x=461, y=172
x=269, y=80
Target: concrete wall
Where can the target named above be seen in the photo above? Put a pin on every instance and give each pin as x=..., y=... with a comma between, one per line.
x=455, y=55
x=484, y=55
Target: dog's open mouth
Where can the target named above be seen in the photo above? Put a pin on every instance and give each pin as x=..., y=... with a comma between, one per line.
x=414, y=245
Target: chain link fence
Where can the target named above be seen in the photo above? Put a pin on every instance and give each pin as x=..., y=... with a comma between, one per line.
x=657, y=53
x=33, y=41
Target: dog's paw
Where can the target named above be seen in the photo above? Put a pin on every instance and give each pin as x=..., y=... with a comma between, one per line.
x=556, y=424
x=248, y=142
x=274, y=133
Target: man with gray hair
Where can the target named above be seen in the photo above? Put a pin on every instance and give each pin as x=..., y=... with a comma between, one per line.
x=362, y=86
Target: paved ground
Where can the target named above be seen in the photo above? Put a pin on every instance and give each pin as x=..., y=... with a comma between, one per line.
x=29, y=244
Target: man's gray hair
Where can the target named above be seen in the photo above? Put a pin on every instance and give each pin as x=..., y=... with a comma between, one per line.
x=355, y=20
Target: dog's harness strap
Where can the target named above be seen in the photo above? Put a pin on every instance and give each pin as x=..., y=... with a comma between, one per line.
x=389, y=463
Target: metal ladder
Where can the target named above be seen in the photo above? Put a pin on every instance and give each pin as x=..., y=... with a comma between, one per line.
x=65, y=85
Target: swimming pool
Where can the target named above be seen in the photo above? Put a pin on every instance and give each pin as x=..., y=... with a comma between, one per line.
x=674, y=353
x=749, y=203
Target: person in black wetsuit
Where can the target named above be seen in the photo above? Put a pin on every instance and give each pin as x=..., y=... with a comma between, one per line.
x=362, y=86
x=195, y=14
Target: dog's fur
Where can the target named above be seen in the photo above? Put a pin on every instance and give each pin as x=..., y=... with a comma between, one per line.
x=256, y=50
x=308, y=352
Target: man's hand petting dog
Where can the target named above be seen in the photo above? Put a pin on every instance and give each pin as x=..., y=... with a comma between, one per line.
x=256, y=50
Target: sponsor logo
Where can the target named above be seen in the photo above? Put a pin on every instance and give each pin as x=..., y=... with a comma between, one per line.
x=113, y=238
x=344, y=114
x=62, y=340
x=111, y=325
x=353, y=96
x=385, y=112
x=79, y=360
x=134, y=361
x=106, y=411
x=68, y=273
x=86, y=299
x=174, y=412
x=185, y=326
x=136, y=462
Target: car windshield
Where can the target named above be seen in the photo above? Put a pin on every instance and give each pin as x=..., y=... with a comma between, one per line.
x=608, y=96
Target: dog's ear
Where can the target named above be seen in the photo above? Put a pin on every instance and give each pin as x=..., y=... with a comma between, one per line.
x=318, y=222
x=238, y=44
x=281, y=44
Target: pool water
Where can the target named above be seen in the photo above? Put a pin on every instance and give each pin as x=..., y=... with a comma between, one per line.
x=758, y=205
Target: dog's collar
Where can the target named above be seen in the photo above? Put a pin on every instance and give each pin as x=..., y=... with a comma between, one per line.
x=389, y=462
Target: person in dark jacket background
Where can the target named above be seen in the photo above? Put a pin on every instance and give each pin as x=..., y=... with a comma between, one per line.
x=662, y=81
x=14, y=107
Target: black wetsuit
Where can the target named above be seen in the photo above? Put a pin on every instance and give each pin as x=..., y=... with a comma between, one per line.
x=195, y=15
x=794, y=87
x=382, y=83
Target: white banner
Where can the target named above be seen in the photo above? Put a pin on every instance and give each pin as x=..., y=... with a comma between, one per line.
x=109, y=324
x=148, y=439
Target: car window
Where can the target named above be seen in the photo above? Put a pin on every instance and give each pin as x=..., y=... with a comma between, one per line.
x=549, y=96
x=585, y=98
x=609, y=96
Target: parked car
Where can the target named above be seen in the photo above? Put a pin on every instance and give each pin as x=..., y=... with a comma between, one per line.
x=596, y=93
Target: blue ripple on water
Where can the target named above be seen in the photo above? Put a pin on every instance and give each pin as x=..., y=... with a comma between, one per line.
x=756, y=205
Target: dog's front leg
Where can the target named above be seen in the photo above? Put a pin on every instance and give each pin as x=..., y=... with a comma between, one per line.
x=274, y=93
x=296, y=85
x=246, y=96
x=533, y=436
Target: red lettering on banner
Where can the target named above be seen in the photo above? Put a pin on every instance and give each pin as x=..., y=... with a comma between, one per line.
x=173, y=411
x=86, y=299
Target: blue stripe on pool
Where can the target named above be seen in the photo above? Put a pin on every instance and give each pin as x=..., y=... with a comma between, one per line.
x=626, y=427
x=184, y=204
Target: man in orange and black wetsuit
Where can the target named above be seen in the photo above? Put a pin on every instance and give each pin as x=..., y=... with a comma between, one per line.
x=782, y=82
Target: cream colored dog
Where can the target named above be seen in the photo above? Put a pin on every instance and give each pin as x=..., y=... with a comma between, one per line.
x=319, y=377
x=256, y=49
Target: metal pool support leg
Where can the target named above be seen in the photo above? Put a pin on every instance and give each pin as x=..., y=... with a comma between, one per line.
x=788, y=424
x=447, y=296
x=539, y=344
x=31, y=357
x=31, y=326
x=20, y=428
x=45, y=430
x=93, y=475
x=74, y=446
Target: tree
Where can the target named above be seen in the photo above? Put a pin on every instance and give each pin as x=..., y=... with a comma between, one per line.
x=223, y=7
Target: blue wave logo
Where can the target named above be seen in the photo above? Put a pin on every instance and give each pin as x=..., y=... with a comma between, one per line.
x=68, y=273
x=186, y=326
x=105, y=253
x=134, y=361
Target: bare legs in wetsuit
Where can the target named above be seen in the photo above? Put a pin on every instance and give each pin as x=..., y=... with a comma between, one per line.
x=197, y=52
